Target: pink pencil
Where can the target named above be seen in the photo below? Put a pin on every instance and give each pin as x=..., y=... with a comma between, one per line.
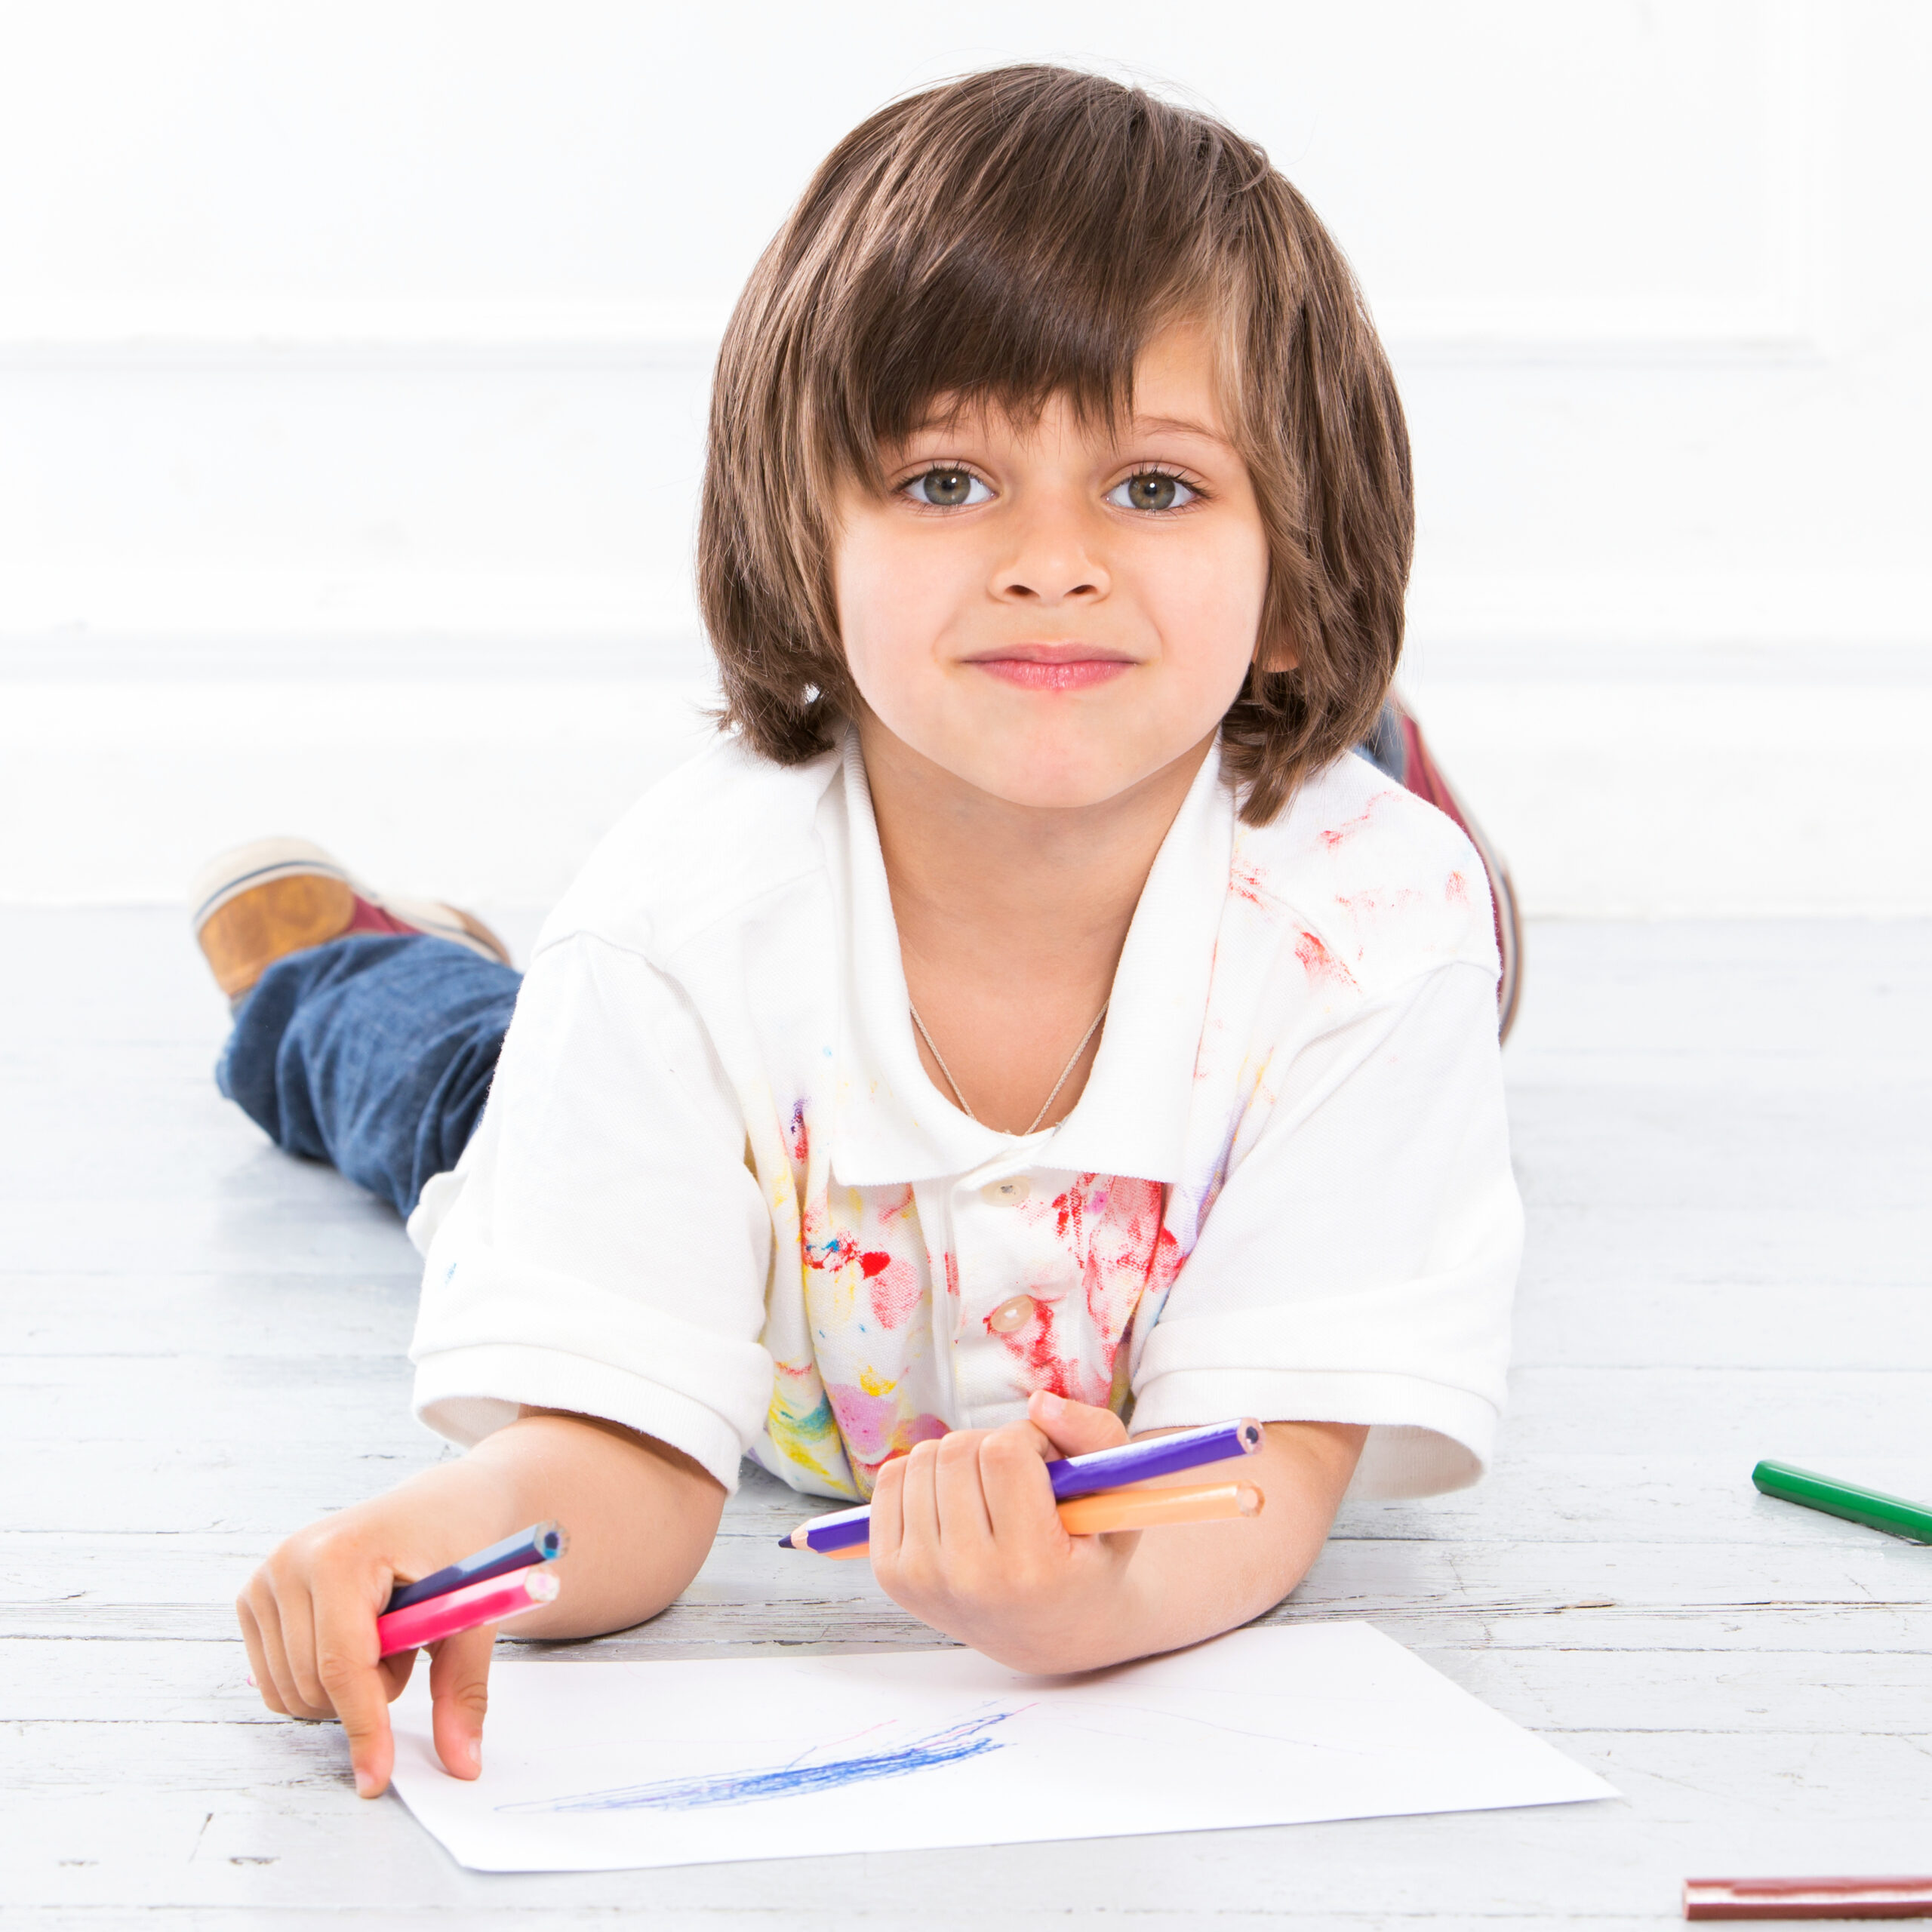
x=489, y=1601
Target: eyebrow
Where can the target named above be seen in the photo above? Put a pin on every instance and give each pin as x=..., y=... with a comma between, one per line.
x=1142, y=425
x=1171, y=425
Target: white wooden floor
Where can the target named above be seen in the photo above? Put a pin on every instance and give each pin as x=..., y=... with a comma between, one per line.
x=1723, y=1133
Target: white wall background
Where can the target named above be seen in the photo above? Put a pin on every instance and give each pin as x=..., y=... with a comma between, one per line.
x=352, y=362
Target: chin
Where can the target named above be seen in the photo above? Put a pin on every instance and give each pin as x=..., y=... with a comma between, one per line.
x=1053, y=779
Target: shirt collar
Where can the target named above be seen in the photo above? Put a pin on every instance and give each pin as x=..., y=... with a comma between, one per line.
x=892, y=1125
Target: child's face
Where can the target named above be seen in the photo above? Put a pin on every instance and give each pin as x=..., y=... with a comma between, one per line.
x=1053, y=612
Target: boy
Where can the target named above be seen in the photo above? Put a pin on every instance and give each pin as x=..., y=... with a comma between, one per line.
x=1030, y=1014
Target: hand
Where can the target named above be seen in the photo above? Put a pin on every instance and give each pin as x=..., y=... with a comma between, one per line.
x=308, y=1618
x=642, y=1516
x=965, y=1535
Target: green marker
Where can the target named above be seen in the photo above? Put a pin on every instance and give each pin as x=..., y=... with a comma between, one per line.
x=1872, y=1507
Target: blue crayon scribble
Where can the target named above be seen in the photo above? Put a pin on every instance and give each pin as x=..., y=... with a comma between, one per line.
x=967, y=1739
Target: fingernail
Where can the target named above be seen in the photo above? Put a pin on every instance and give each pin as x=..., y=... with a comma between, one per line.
x=252, y=1685
x=1049, y=1404
x=365, y=1784
x=474, y=1750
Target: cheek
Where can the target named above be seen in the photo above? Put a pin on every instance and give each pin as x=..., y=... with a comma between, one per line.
x=893, y=602
x=1210, y=604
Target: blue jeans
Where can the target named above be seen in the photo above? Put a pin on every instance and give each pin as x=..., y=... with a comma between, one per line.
x=374, y=1053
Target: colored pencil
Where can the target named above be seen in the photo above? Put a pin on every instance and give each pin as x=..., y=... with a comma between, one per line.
x=1872, y=1507
x=1807, y=1898
x=1152, y=1509
x=1141, y=1510
x=490, y=1601
x=1073, y=1476
x=542, y=1542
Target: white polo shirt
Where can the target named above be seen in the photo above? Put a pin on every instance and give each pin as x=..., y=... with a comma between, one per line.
x=715, y=1198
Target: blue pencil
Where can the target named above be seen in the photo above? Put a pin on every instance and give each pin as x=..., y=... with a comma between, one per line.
x=542, y=1542
x=1071, y=1476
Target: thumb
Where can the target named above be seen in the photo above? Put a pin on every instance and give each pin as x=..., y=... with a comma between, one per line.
x=1074, y=1429
x=460, y=1692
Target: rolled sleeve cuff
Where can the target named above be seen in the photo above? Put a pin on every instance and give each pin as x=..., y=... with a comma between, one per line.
x=468, y=1393
x=1424, y=1438
x=491, y=1336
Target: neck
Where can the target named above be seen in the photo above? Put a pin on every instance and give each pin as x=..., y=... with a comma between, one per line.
x=981, y=883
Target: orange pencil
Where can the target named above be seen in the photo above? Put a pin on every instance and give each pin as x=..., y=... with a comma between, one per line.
x=1140, y=1510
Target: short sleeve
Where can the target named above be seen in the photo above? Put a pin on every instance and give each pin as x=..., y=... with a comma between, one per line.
x=608, y=1250
x=1359, y=1264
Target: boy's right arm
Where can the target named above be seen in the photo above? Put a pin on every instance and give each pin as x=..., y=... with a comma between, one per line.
x=641, y=1516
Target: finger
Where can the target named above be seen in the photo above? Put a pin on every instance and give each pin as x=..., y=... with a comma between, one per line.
x=295, y=1613
x=394, y=1672
x=1074, y=1429
x=1019, y=1493
x=919, y=1502
x=259, y=1675
x=886, y=1531
x=275, y=1651
x=345, y=1646
x=959, y=1498
x=460, y=1693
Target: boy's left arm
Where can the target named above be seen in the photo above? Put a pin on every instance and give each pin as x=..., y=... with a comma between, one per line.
x=965, y=1535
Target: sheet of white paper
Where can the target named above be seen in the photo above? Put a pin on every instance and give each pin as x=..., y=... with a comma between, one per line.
x=595, y=1766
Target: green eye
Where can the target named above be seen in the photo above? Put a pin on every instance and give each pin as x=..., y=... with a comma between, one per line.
x=1152, y=490
x=948, y=489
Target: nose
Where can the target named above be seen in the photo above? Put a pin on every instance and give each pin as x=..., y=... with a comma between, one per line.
x=1051, y=562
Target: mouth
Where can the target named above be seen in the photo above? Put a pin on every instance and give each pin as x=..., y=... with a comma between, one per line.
x=1063, y=666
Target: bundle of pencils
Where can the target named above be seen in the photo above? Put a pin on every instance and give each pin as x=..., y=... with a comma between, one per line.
x=1092, y=1493
x=505, y=1580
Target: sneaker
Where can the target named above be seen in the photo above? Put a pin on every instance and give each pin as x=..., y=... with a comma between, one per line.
x=263, y=901
x=1398, y=748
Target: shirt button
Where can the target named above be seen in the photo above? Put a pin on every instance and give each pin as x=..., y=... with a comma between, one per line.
x=1012, y=1190
x=1012, y=1315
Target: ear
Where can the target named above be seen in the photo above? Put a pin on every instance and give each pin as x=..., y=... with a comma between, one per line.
x=1283, y=654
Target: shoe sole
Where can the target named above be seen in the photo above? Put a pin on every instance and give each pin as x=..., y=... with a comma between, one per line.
x=253, y=927
x=243, y=868
x=256, y=903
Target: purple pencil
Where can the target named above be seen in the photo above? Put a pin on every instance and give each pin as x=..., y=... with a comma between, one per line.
x=1073, y=1476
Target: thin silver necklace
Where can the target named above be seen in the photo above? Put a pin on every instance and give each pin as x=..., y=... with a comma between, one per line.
x=1057, y=1084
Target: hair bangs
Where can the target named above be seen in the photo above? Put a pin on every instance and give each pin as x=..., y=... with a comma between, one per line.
x=1073, y=229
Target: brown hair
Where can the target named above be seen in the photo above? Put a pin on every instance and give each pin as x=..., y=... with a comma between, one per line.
x=1017, y=234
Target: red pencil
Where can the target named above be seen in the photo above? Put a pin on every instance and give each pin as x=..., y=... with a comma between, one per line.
x=1807, y=1898
x=487, y=1602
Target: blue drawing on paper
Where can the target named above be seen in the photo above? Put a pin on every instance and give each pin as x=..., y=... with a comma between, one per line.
x=969, y=1738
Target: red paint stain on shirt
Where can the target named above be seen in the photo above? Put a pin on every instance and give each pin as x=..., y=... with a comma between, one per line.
x=895, y=1287
x=1045, y=1367
x=1458, y=893
x=1319, y=963
x=1337, y=834
x=1360, y=906
x=1247, y=882
x=800, y=1139
x=830, y=1252
x=1114, y=1230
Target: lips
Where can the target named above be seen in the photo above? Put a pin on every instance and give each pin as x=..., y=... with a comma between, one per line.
x=1053, y=667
